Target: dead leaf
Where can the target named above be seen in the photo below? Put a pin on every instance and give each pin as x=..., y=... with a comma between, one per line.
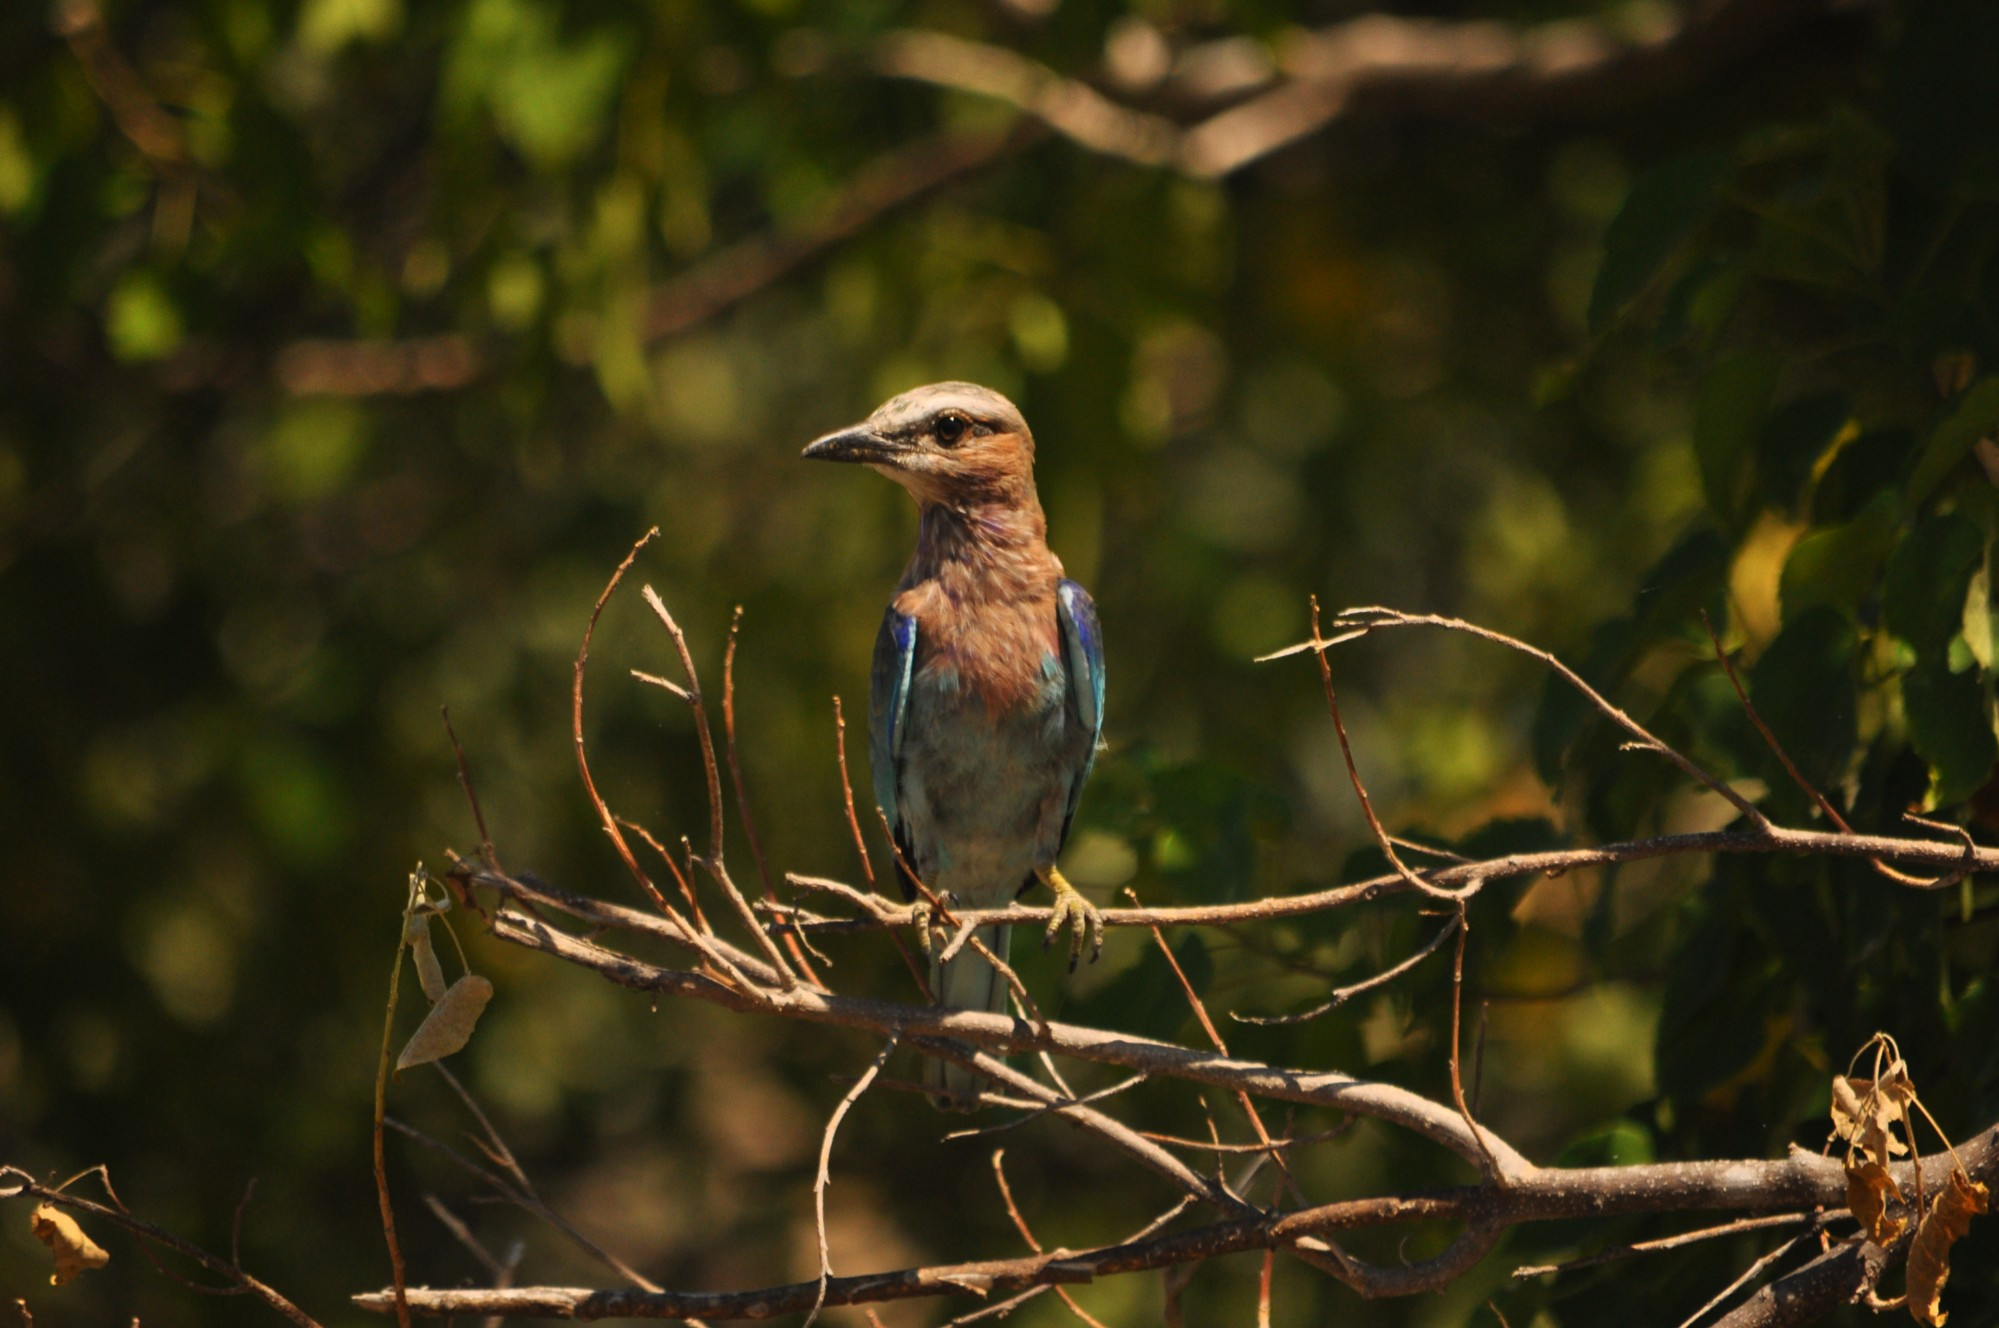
x=1869, y=1187
x=1865, y=1113
x=448, y=1026
x=416, y=933
x=74, y=1252
x=1929, y=1258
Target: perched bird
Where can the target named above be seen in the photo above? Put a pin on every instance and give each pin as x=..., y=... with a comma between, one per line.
x=987, y=695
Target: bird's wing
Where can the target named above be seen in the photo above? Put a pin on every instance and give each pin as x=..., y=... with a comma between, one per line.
x=1083, y=658
x=888, y=709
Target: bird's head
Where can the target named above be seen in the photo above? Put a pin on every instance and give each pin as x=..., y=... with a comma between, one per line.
x=948, y=443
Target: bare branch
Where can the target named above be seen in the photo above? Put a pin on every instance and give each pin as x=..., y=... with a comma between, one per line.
x=18, y=1182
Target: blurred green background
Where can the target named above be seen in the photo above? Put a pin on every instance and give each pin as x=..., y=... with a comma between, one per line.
x=346, y=345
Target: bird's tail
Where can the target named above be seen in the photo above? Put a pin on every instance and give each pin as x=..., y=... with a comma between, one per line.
x=967, y=982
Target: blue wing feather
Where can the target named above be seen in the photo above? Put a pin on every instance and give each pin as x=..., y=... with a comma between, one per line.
x=1083, y=658
x=888, y=710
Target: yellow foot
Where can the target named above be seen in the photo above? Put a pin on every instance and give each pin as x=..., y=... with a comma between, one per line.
x=1072, y=910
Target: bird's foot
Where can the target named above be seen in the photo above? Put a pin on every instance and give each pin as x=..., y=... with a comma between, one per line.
x=924, y=917
x=1072, y=910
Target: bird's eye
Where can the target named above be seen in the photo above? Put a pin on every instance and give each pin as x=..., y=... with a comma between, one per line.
x=950, y=428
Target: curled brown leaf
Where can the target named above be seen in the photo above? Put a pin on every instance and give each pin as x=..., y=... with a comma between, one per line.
x=1948, y=1218
x=75, y=1253
x=1869, y=1188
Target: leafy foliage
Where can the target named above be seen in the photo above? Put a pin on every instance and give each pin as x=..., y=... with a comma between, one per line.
x=242, y=563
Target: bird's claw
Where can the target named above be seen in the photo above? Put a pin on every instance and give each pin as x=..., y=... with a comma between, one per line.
x=924, y=917
x=1073, y=911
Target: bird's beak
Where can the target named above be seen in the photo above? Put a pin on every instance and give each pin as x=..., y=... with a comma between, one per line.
x=860, y=444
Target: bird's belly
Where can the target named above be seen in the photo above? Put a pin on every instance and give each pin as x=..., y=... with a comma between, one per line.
x=984, y=796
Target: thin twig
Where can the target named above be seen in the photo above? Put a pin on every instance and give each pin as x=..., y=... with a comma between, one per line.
x=825, y=1178
x=687, y=931
x=1492, y=1168
x=1341, y=995
x=1372, y=617
x=1614, y=1253
x=486, y=851
x=24, y=1183
x=916, y=970
x=527, y=1202
x=711, y=771
x=382, y=1199
x=793, y=942
x=1027, y=1234
x=1381, y=837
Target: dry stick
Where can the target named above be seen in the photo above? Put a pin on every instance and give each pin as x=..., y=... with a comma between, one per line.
x=717, y=868
x=679, y=877
x=604, y=817
x=1774, y=839
x=487, y=853
x=494, y=1145
x=996, y=1311
x=1471, y=1245
x=1341, y=995
x=1287, y=1143
x=1110, y=1129
x=500, y=1270
x=1617, y=1252
x=1492, y=1168
x=1036, y=1110
x=861, y=847
x=1398, y=1106
x=535, y=895
x=793, y=942
x=25, y=1183
x=103, y=1174
x=1367, y=619
x=1806, y=1295
x=825, y=1176
x=1215, y=1037
x=1387, y=845
x=528, y=1202
x=454, y=1224
x=1790, y=767
x=1742, y=1279
x=381, y=1155
x=1802, y=1178
x=1027, y=1234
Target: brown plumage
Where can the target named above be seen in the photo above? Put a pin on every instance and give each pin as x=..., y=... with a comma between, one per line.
x=988, y=676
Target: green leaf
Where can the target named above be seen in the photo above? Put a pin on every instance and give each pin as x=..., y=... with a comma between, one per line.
x=1928, y=578
x=1977, y=622
x=1662, y=209
x=1840, y=564
x=1950, y=723
x=1728, y=416
x=1803, y=686
x=1975, y=415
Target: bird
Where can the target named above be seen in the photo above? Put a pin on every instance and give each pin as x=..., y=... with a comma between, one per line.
x=987, y=686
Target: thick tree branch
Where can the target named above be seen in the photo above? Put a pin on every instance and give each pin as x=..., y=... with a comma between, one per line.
x=1802, y=1179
